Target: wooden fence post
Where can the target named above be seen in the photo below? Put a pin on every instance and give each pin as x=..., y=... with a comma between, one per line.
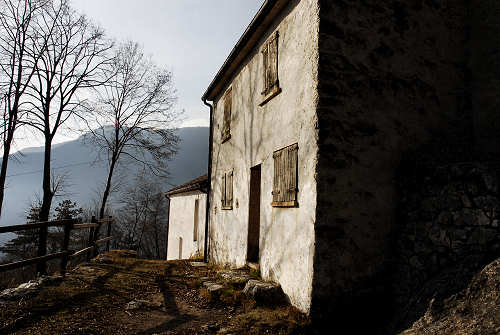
x=91, y=239
x=95, y=252
x=108, y=234
x=65, y=247
x=41, y=268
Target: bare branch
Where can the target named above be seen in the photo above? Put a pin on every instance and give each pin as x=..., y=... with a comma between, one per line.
x=136, y=114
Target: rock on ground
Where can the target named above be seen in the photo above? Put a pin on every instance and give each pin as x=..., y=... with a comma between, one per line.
x=234, y=276
x=263, y=292
x=27, y=289
x=475, y=310
x=212, y=287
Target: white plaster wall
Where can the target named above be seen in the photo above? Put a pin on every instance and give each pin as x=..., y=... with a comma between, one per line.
x=181, y=224
x=286, y=234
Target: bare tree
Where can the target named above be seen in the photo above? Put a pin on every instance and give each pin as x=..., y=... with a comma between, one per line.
x=135, y=115
x=142, y=217
x=17, y=33
x=70, y=64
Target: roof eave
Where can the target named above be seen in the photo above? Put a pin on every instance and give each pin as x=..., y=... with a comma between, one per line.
x=193, y=185
x=253, y=32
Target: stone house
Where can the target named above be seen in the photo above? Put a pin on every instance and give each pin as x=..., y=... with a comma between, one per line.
x=312, y=114
x=186, y=219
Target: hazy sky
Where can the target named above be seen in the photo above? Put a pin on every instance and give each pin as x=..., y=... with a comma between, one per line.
x=192, y=38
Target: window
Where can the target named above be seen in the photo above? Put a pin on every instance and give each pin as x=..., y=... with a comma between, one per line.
x=226, y=125
x=270, y=69
x=227, y=190
x=285, y=177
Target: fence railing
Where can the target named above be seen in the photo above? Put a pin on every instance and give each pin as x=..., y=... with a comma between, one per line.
x=92, y=249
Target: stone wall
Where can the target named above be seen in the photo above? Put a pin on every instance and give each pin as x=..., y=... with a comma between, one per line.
x=447, y=214
x=391, y=78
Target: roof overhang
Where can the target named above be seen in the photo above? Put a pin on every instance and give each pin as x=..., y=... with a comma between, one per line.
x=198, y=184
x=245, y=45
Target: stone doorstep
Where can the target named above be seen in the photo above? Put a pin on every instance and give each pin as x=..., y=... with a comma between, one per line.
x=198, y=264
x=262, y=292
x=255, y=266
x=234, y=276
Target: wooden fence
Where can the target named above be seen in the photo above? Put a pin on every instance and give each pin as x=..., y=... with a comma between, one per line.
x=65, y=254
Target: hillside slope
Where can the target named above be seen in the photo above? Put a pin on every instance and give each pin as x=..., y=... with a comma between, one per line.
x=85, y=173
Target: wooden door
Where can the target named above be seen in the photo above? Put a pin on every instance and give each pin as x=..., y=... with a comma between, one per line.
x=254, y=215
x=195, y=223
x=180, y=247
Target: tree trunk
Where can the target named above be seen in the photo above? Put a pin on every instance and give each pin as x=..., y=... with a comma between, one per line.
x=3, y=169
x=46, y=204
x=108, y=187
x=47, y=190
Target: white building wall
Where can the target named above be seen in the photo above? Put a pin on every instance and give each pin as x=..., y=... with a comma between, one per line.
x=181, y=225
x=286, y=234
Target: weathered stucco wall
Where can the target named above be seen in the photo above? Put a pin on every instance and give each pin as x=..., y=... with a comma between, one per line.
x=484, y=73
x=181, y=224
x=286, y=234
x=391, y=78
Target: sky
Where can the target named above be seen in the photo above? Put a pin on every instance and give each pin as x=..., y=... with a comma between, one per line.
x=191, y=38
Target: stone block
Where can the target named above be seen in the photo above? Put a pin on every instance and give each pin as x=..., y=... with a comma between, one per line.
x=234, y=276
x=263, y=292
x=482, y=236
x=490, y=182
x=458, y=246
x=458, y=234
x=488, y=203
x=445, y=218
x=139, y=304
x=470, y=217
x=213, y=287
x=198, y=264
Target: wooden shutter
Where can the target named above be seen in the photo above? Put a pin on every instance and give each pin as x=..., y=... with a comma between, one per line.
x=270, y=64
x=229, y=188
x=226, y=125
x=227, y=191
x=223, y=191
x=265, y=67
x=273, y=62
x=285, y=177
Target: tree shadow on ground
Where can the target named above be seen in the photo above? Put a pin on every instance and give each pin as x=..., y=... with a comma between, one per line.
x=172, y=309
x=45, y=310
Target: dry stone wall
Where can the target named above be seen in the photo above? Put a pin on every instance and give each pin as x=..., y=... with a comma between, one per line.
x=447, y=214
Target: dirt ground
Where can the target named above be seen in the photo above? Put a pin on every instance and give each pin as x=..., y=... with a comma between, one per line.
x=93, y=299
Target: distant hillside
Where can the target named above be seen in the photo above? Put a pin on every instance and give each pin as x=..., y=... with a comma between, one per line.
x=78, y=161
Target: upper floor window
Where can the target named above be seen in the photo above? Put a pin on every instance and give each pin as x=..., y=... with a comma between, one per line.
x=270, y=68
x=285, y=177
x=226, y=125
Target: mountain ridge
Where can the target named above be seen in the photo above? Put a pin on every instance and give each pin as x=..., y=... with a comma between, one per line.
x=85, y=171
